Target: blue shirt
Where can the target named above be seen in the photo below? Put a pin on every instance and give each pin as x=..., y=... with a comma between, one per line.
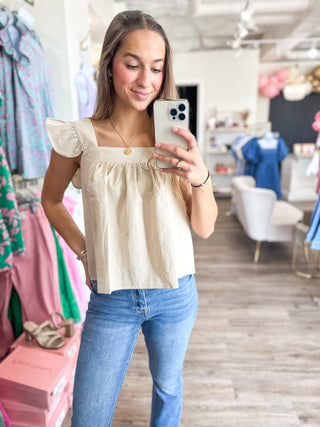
x=313, y=235
x=264, y=163
x=27, y=98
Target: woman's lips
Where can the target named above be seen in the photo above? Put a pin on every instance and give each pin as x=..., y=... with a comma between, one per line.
x=141, y=95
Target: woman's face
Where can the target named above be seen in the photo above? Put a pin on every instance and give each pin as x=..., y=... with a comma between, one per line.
x=138, y=69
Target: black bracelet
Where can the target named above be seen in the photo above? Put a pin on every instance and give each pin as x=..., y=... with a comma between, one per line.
x=204, y=182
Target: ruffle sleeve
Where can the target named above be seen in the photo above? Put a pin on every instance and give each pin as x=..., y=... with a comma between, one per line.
x=64, y=138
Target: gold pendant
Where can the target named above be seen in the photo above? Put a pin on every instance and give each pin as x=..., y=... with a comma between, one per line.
x=127, y=151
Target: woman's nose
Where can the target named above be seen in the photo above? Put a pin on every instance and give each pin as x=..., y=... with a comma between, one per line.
x=144, y=78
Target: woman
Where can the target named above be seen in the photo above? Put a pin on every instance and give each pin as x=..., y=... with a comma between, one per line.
x=137, y=252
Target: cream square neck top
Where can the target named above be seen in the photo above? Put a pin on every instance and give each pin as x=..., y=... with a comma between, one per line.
x=137, y=232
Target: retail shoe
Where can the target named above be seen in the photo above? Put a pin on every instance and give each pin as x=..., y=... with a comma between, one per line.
x=46, y=337
x=68, y=324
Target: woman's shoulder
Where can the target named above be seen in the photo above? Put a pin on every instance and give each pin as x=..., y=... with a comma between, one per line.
x=68, y=137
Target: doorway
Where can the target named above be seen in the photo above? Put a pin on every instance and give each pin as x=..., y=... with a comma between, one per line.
x=191, y=94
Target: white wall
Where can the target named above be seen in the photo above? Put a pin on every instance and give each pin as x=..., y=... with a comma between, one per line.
x=61, y=25
x=225, y=82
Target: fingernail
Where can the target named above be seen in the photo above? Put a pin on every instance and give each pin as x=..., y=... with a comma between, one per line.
x=157, y=144
x=156, y=155
x=174, y=129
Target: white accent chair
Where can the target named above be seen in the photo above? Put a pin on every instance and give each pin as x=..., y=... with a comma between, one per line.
x=263, y=217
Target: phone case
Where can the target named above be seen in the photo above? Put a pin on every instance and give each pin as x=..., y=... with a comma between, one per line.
x=167, y=114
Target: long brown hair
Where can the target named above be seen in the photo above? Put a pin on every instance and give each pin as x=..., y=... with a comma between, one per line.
x=122, y=25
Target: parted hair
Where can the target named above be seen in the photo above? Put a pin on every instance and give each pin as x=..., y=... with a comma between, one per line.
x=120, y=27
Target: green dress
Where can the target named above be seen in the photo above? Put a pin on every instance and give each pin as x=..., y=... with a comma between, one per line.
x=11, y=241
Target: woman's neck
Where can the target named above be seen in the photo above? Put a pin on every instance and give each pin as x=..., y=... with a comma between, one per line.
x=131, y=122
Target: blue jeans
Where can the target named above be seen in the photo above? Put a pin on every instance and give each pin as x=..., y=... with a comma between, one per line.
x=109, y=336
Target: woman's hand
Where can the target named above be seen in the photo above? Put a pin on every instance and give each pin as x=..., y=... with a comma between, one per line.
x=86, y=270
x=189, y=165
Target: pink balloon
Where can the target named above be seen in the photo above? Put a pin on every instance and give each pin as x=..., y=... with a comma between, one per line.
x=316, y=125
x=263, y=80
x=273, y=80
x=280, y=85
x=283, y=74
x=270, y=91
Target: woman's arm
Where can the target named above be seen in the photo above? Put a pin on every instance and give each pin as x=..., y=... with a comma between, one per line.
x=58, y=176
x=202, y=207
x=201, y=202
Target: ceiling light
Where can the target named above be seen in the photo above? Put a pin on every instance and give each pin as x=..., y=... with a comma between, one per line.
x=251, y=26
x=238, y=52
x=312, y=52
x=246, y=14
x=235, y=44
x=242, y=30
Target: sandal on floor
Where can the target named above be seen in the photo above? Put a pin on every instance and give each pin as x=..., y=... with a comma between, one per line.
x=43, y=333
x=68, y=324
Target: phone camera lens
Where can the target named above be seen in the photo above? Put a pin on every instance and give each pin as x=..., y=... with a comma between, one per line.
x=173, y=112
x=182, y=116
x=182, y=107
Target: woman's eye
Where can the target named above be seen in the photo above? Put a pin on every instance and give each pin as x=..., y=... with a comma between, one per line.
x=132, y=67
x=156, y=70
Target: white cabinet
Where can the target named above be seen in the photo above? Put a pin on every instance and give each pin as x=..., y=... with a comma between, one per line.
x=296, y=184
x=219, y=159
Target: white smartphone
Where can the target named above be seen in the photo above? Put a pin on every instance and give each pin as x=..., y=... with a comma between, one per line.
x=168, y=114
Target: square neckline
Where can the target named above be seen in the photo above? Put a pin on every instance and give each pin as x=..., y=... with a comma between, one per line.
x=95, y=140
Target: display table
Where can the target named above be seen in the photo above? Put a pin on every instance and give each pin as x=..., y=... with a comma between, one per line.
x=296, y=185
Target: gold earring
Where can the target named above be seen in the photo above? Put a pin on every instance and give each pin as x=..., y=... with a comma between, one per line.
x=110, y=78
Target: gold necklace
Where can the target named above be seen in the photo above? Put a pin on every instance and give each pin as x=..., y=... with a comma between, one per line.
x=127, y=150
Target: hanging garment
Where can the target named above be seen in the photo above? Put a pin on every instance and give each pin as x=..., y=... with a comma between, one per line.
x=73, y=266
x=34, y=275
x=87, y=92
x=14, y=313
x=236, y=151
x=5, y=416
x=313, y=234
x=263, y=162
x=69, y=304
x=314, y=168
x=73, y=203
x=27, y=97
x=11, y=241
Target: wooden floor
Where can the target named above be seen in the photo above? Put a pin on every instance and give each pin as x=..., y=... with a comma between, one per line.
x=254, y=355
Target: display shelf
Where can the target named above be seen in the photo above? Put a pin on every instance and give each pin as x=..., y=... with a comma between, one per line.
x=235, y=129
x=217, y=151
x=218, y=155
x=219, y=142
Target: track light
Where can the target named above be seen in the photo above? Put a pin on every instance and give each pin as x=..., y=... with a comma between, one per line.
x=235, y=44
x=246, y=14
x=242, y=30
x=238, y=52
x=313, y=52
